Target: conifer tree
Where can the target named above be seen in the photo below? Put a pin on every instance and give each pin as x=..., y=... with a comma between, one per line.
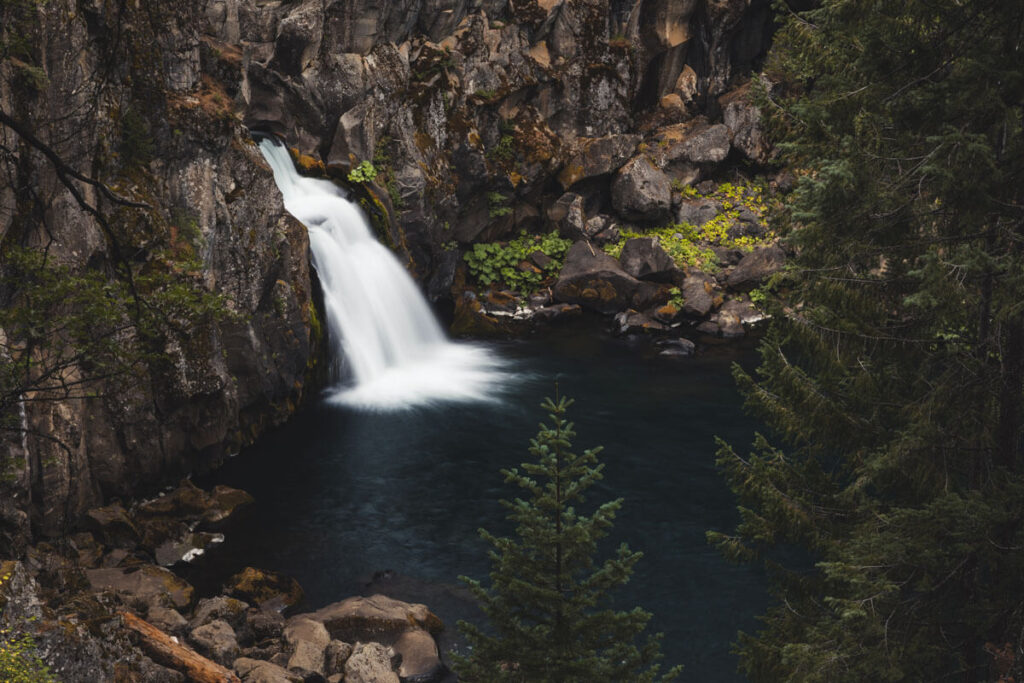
x=892, y=374
x=548, y=599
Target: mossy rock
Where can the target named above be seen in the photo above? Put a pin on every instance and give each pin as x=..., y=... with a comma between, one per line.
x=266, y=589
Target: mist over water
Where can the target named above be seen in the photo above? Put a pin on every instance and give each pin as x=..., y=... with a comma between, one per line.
x=391, y=350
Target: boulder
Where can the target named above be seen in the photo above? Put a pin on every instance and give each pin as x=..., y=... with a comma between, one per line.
x=370, y=663
x=259, y=671
x=631, y=322
x=756, y=267
x=112, y=526
x=594, y=280
x=743, y=119
x=190, y=503
x=598, y=156
x=215, y=640
x=677, y=348
x=568, y=214
x=370, y=618
x=649, y=294
x=641, y=192
x=335, y=655
x=693, y=142
x=557, y=312
x=227, y=609
x=264, y=624
x=706, y=145
x=265, y=589
x=147, y=584
x=307, y=640
x=420, y=660
x=666, y=313
x=697, y=299
x=167, y=620
x=697, y=212
x=643, y=258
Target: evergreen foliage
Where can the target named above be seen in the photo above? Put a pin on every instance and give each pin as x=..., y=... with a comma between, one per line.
x=548, y=599
x=892, y=374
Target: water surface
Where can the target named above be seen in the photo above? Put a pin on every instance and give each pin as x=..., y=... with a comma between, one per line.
x=342, y=494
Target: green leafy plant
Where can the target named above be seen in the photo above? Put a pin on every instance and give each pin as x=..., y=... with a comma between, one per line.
x=365, y=172
x=508, y=262
x=20, y=661
x=497, y=205
x=549, y=599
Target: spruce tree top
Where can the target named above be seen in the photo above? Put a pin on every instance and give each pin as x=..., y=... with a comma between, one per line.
x=548, y=602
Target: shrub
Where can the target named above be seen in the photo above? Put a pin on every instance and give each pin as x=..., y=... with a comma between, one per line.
x=507, y=262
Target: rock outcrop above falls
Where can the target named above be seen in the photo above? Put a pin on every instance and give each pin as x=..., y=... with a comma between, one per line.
x=470, y=111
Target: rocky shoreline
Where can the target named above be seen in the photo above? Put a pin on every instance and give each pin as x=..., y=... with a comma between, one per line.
x=105, y=603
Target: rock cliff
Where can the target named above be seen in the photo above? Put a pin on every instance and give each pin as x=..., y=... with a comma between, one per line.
x=105, y=106
x=125, y=150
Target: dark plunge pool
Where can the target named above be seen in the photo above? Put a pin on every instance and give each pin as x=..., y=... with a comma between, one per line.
x=342, y=495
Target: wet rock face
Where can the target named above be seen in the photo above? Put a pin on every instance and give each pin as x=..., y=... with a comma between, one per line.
x=200, y=176
x=455, y=100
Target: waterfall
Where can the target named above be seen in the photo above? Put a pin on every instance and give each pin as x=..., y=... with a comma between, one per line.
x=378, y=321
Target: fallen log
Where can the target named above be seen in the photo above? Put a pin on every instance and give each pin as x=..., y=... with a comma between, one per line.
x=165, y=650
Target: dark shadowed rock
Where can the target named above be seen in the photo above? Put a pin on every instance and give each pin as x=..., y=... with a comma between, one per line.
x=643, y=258
x=697, y=212
x=598, y=156
x=112, y=526
x=307, y=640
x=259, y=671
x=594, y=280
x=557, y=312
x=641, y=192
x=167, y=620
x=420, y=660
x=756, y=267
x=694, y=142
x=264, y=623
x=677, y=348
x=222, y=608
x=215, y=640
x=265, y=589
x=706, y=145
x=697, y=298
x=568, y=214
x=631, y=322
x=366, y=618
x=335, y=655
x=147, y=584
x=743, y=119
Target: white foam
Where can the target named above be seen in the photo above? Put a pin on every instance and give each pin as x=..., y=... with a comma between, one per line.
x=377, y=318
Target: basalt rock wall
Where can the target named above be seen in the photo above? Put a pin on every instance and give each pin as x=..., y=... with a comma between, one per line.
x=131, y=98
x=477, y=114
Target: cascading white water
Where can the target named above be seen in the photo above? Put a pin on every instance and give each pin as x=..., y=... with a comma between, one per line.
x=377, y=318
